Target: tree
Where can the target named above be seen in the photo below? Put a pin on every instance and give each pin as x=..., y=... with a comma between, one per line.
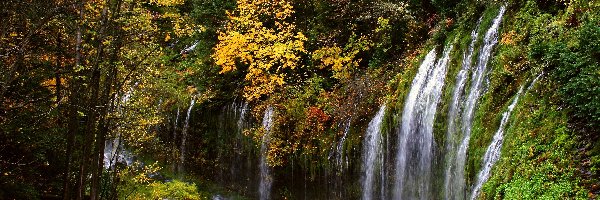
x=65, y=65
x=258, y=36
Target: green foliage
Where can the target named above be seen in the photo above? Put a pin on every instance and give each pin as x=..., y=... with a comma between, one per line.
x=540, y=157
x=319, y=62
x=383, y=42
x=170, y=190
x=537, y=157
x=568, y=49
x=138, y=184
x=343, y=62
x=577, y=69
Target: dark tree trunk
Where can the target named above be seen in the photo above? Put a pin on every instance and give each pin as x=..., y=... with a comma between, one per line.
x=73, y=125
x=86, y=157
x=73, y=110
x=106, y=101
x=95, y=107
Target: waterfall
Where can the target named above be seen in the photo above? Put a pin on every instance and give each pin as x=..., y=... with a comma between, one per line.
x=240, y=164
x=373, y=154
x=264, y=189
x=244, y=162
x=239, y=112
x=340, y=147
x=114, y=150
x=415, y=146
x=454, y=182
x=409, y=107
x=114, y=153
x=242, y=116
x=534, y=81
x=174, y=140
x=184, y=134
x=189, y=49
x=492, y=154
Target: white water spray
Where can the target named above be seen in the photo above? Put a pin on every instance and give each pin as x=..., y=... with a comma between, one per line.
x=184, y=133
x=454, y=183
x=373, y=154
x=266, y=179
x=340, y=148
x=415, y=146
x=492, y=154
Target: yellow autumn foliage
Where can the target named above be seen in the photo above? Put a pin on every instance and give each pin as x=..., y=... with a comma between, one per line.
x=167, y=2
x=265, y=50
x=330, y=57
x=341, y=61
x=510, y=38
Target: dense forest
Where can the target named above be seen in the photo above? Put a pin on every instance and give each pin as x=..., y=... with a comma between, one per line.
x=299, y=99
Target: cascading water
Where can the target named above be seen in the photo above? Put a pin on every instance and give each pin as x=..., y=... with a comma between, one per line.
x=114, y=153
x=415, y=146
x=373, y=154
x=242, y=116
x=184, y=133
x=175, y=125
x=454, y=183
x=534, y=81
x=174, y=140
x=114, y=150
x=340, y=148
x=492, y=154
x=402, y=161
x=264, y=189
x=190, y=48
x=241, y=164
x=244, y=161
x=455, y=187
x=239, y=112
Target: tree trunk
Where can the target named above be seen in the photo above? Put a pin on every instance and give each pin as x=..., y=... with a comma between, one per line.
x=57, y=73
x=89, y=132
x=100, y=136
x=73, y=114
x=71, y=131
x=106, y=101
x=95, y=113
x=67, y=172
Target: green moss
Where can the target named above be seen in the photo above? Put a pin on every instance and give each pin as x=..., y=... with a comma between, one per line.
x=538, y=155
x=461, y=41
x=484, y=123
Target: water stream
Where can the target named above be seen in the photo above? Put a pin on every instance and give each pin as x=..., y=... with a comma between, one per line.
x=492, y=154
x=409, y=172
x=373, y=155
x=454, y=184
x=341, y=161
x=184, y=134
x=115, y=152
x=415, y=146
x=265, y=177
x=455, y=180
x=114, y=149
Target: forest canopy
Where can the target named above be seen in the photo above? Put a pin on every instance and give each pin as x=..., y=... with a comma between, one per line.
x=181, y=86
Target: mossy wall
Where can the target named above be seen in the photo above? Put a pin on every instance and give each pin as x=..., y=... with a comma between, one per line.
x=545, y=155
